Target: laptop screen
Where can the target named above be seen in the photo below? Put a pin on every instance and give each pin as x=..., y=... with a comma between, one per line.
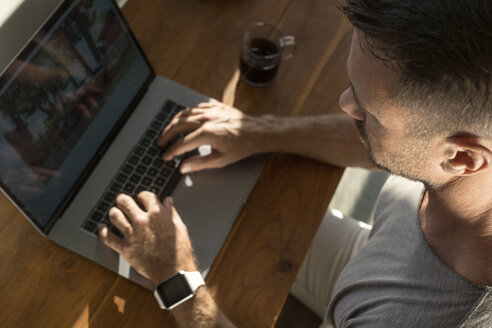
x=61, y=98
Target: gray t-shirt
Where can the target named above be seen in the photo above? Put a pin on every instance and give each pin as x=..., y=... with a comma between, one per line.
x=397, y=281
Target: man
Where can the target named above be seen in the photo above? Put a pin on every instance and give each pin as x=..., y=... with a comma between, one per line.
x=420, y=75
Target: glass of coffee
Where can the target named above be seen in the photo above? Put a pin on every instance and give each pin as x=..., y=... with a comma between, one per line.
x=263, y=48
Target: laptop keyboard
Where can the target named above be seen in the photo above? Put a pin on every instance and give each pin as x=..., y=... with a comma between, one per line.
x=143, y=169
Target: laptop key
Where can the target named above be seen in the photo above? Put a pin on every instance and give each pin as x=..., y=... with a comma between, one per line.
x=103, y=206
x=150, y=134
x=90, y=226
x=161, y=117
x=133, y=159
x=146, y=181
x=152, y=151
x=115, y=187
x=159, y=182
x=168, y=107
x=145, y=142
x=141, y=169
x=158, y=162
x=129, y=188
x=122, y=178
x=109, y=197
x=156, y=125
x=97, y=216
x=165, y=172
x=152, y=172
x=146, y=160
x=135, y=178
x=128, y=169
x=139, y=151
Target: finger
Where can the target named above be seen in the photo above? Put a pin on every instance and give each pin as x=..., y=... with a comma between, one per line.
x=148, y=199
x=171, y=131
x=168, y=204
x=206, y=105
x=194, y=114
x=129, y=208
x=179, y=119
x=198, y=109
x=198, y=163
x=119, y=220
x=110, y=239
x=186, y=144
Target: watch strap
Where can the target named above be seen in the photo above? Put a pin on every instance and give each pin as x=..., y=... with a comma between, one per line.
x=194, y=279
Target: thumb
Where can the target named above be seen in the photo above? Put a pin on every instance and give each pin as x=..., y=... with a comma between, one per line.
x=198, y=163
x=168, y=203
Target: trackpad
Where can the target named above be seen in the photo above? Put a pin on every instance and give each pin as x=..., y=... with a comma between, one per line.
x=210, y=201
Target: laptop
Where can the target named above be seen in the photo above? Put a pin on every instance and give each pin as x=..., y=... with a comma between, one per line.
x=80, y=111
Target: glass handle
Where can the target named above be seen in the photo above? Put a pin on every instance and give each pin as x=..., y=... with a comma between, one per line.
x=290, y=44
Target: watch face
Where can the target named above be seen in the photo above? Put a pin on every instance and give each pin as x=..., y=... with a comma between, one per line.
x=174, y=290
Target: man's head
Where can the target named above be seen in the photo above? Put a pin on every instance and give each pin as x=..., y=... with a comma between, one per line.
x=422, y=71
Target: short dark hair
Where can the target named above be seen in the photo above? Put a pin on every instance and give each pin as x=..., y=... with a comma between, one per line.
x=443, y=49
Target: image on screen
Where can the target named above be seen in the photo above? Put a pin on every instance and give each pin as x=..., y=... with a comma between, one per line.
x=60, y=98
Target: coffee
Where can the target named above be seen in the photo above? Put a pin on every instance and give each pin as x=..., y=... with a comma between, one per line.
x=263, y=47
x=260, y=63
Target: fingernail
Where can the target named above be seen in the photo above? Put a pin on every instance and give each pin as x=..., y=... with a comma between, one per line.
x=103, y=230
x=168, y=202
x=185, y=169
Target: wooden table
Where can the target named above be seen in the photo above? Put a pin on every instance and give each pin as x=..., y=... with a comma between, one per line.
x=196, y=43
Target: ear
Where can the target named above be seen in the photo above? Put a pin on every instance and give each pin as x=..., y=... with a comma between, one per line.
x=466, y=156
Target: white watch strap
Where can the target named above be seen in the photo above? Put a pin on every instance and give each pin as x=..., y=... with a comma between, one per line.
x=194, y=279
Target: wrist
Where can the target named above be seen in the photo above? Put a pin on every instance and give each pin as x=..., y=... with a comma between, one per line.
x=164, y=274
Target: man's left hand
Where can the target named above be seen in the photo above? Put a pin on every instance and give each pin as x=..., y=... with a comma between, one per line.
x=156, y=241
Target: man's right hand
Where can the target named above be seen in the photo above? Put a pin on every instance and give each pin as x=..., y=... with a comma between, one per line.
x=231, y=134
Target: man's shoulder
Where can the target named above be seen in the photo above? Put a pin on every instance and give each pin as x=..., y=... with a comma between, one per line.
x=396, y=280
x=399, y=198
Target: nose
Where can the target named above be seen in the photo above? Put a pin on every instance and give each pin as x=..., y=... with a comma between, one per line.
x=348, y=104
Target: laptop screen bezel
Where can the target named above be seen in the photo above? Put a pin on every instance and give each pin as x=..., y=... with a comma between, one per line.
x=52, y=19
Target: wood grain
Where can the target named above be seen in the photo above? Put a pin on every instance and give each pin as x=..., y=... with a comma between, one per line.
x=271, y=238
x=214, y=58
x=42, y=284
x=319, y=28
x=129, y=305
x=196, y=42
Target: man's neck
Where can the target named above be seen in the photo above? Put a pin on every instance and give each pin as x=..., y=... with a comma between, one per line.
x=457, y=223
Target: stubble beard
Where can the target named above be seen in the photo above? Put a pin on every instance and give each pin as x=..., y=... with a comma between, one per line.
x=411, y=171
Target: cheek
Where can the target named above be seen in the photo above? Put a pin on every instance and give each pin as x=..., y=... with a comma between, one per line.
x=374, y=130
x=379, y=136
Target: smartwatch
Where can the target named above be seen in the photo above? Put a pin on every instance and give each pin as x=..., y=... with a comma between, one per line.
x=178, y=289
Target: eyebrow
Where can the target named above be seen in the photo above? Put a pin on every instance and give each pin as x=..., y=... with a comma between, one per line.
x=357, y=100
